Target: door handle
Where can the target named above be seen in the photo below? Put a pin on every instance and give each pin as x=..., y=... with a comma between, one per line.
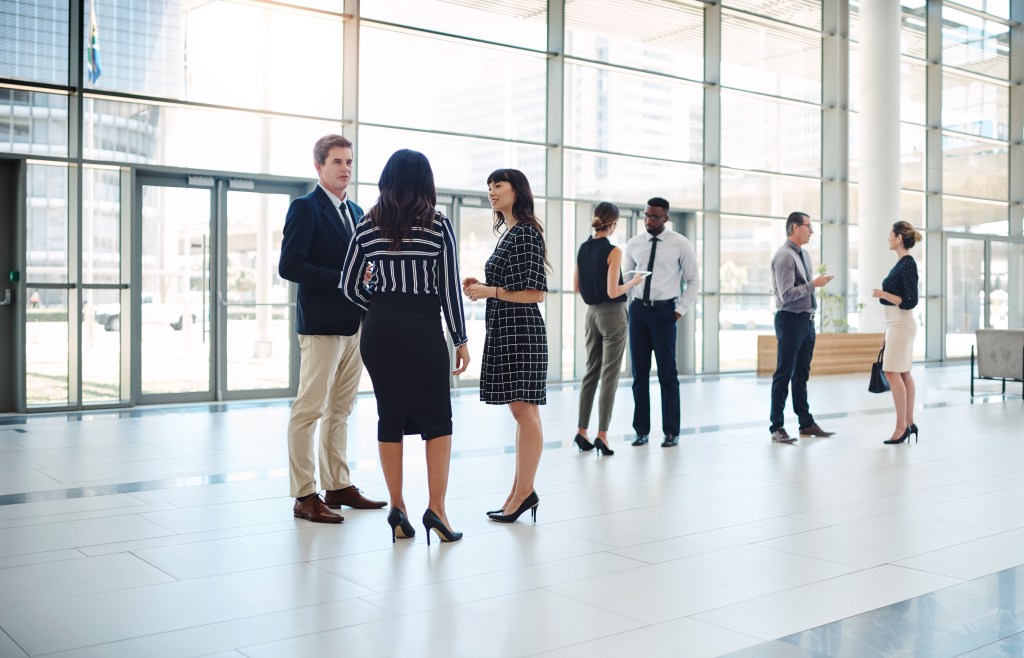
x=7, y=298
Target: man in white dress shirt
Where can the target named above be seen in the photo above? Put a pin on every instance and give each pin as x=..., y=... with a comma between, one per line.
x=655, y=308
x=317, y=232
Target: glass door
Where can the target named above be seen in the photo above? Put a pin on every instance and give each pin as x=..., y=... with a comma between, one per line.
x=212, y=315
x=50, y=290
x=172, y=293
x=258, y=336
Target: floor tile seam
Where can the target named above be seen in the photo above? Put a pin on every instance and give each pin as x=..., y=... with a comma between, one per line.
x=134, y=638
x=812, y=628
x=103, y=592
x=984, y=646
x=181, y=581
x=867, y=518
x=632, y=507
x=972, y=496
x=1002, y=531
x=935, y=573
x=810, y=510
x=66, y=559
x=853, y=567
x=617, y=613
x=710, y=550
x=13, y=641
x=605, y=547
x=489, y=597
x=858, y=570
x=26, y=521
x=184, y=536
x=185, y=543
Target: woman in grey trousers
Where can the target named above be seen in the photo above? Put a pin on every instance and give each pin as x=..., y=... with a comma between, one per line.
x=599, y=282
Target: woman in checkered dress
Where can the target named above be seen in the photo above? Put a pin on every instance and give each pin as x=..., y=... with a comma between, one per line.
x=515, y=358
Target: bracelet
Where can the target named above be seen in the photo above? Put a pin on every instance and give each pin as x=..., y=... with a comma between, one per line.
x=496, y=292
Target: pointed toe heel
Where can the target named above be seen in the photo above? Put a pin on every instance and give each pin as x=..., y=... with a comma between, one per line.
x=400, y=526
x=583, y=444
x=531, y=503
x=432, y=521
x=602, y=448
x=913, y=430
x=903, y=437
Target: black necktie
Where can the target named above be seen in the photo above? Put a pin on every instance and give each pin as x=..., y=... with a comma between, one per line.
x=650, y=268
x=348, y=229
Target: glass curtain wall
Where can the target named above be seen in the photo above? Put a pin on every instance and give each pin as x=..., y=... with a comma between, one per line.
x=771, y=157
x=622, y=118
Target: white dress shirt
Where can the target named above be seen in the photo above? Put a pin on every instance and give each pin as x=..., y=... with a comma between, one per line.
x=343, y=216
x=675, y=261
x=343, y=211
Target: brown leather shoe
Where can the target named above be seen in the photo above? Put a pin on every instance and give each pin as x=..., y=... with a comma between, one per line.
x=814, y=430
x=351, y=496
x=313, y=509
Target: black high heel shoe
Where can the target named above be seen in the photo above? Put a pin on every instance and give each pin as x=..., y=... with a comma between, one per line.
x=602, y=448
x=432, y=522
x=903, y=437
x=913, y=430
x=400, y=526
x=531, y=503
x=581, y=441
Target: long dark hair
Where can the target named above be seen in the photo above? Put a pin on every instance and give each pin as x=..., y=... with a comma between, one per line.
x=522, y=206
x=407, y=197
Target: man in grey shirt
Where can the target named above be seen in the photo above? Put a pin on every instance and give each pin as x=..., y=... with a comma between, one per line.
x=794, y=327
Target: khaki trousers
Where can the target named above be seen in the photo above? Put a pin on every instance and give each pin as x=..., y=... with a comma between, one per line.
x=605, y=336
x=329, y=372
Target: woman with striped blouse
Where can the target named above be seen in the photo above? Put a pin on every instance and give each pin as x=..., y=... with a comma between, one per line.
x=411, y=248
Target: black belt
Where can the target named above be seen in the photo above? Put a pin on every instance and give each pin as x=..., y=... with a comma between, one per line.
x=656, y=302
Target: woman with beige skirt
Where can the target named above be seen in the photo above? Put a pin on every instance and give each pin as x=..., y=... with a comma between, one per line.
x=898, y=297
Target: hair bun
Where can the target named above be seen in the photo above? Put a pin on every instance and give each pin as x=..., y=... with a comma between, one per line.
x=918, y=237
x=597, y=223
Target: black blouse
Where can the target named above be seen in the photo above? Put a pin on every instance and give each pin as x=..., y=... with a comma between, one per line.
x=902, y=282
x=592, y=262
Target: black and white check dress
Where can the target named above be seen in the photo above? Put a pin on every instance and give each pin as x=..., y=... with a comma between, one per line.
x=515, y=359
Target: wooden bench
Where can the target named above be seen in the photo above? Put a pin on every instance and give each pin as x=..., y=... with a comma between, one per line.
x=1000, y=355
x=833, y=353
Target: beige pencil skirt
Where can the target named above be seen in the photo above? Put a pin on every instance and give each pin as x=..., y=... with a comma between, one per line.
x=900, y=331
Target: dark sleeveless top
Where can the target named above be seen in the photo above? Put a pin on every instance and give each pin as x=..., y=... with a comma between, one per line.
x=592, y=261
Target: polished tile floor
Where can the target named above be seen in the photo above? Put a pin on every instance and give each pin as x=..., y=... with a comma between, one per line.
x=167, y=531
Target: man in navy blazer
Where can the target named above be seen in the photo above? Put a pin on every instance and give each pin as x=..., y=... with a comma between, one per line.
x=317, y=232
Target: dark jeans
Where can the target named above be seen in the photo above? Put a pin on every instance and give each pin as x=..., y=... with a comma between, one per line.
x=795, y=332
x=653, y=329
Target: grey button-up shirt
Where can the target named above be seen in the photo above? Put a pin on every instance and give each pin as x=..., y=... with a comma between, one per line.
x=791, y=279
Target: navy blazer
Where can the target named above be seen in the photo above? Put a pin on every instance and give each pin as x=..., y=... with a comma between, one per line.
x=312, y=254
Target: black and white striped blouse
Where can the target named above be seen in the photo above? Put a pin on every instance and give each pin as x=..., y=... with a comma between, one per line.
x=425, y=264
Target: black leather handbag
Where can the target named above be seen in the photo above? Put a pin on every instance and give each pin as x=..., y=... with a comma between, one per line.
x=878, y=383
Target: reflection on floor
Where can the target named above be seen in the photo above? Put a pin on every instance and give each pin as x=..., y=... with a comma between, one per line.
x=168, y=532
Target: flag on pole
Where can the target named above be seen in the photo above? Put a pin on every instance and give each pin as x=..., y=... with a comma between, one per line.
x=94, y=47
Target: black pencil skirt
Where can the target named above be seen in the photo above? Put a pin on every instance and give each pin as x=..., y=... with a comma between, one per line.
x=404, y=350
